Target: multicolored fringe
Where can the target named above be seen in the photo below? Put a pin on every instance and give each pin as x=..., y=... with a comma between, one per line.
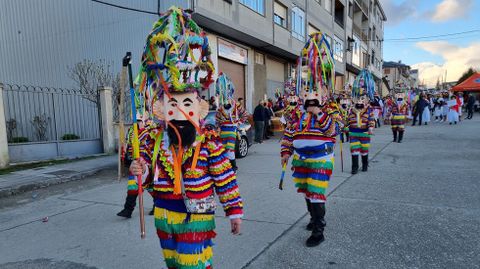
x=398, y=122
x=228, y=134
x=359, y=143
x=132, y=187
x=311, y=176
x=186, y=239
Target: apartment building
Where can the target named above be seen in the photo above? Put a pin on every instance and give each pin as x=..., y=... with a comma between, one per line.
x=398, y=73
x=258, y=41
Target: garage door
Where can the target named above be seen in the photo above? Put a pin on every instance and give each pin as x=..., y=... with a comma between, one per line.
x=236, y=72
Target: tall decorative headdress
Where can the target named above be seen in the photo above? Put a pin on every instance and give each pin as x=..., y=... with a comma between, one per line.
x=315, y=66
x=176, y=58
x=364, y=85
x=224, y=88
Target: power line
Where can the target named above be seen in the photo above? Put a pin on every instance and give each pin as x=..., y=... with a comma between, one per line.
x=432, y=36
x=124, y=7
x=426, y=38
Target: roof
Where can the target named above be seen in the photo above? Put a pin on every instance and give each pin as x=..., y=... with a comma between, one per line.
x=471, y=84
x=394, y=64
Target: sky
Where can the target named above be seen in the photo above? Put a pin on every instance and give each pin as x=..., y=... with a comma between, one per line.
x=434, y=56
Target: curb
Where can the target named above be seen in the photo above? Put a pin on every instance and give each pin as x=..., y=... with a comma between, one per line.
x=7, y=192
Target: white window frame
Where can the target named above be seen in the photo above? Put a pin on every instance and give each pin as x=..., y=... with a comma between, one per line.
x=338, y=46
x=298, y=23
x=280, y=13
x=255, y=5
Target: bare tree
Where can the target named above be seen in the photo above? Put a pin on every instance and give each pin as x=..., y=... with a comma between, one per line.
x=90, y=75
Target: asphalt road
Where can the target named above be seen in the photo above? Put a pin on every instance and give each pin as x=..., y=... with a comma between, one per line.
x=417, y=207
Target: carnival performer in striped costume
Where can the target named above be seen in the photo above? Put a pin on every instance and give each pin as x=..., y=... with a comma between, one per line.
x=361, y=120
x=293, y=108
x=187, y=164
x=132, y=186
x=311, y=139
x=397, y=113
x=229, y=115
x=345, y=106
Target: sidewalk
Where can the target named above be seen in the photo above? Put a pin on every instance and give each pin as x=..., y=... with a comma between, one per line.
x=40, y=177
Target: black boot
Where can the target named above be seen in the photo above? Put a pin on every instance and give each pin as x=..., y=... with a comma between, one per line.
x=309, y=208
x=129, y=206
x=234, y=165
x=365, y=163
x=394, y=135
x=318, y=210
x=354, y=164
x=400, y=136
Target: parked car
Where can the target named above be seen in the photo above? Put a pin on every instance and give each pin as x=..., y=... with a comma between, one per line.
x=244, y=134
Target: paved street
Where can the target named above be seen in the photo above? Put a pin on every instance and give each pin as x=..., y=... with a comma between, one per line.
x=417, y=207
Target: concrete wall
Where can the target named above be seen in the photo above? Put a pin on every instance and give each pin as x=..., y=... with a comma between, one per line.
x=4, y=158
x=260, y=83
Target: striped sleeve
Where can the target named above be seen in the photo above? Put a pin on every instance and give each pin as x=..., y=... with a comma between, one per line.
x=371, y=119
x=225, y=181
x=287, y=142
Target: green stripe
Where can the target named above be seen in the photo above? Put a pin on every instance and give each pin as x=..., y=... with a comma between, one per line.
x=173, y=263
x=198, y=226
x=132, y=187
x=313, y=165
x=355, y=134
x=311, y=188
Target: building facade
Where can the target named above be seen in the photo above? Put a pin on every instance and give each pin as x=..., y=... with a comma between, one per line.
x=256, y=42
x=397, y=73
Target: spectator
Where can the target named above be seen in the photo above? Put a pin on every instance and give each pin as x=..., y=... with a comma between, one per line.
x=268, y=117
x=470, y=105
x=259, y=121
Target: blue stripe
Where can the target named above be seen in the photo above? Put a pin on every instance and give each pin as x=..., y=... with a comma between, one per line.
x=315, y=176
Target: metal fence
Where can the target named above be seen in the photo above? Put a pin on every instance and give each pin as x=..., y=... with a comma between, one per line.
x=42, y=114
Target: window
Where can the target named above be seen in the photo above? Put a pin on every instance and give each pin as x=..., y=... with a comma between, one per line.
x=280, y=14
x=328, y=6
x=312, y=29
x=350, y=10
x=356, y=53
x=259, y=58
x=298, y=23
x=256, y=5
x=338, y=49
x=329, y=40
x=339, y=13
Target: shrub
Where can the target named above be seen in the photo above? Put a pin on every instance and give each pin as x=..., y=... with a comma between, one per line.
x=70, y=137
x=19, y=139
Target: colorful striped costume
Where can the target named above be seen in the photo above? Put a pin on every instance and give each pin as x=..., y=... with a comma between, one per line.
x=186, y=238
x=398, y=115
x=358, y=123
x=312, y=141
x=228, y=121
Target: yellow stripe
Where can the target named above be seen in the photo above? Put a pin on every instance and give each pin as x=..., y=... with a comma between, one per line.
x=178, y=217
x=189, y=259
x=311, y=181
x=228, y=133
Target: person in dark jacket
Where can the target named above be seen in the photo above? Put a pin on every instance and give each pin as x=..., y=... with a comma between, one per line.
x=419, y=107
x=259, y=117
x=470, y=106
